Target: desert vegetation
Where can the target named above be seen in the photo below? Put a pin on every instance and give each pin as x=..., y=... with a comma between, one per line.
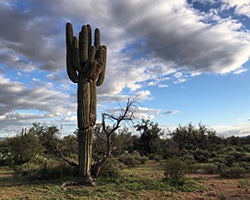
x=137, y=164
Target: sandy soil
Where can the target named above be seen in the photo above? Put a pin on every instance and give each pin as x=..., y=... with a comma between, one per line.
x=217, y=188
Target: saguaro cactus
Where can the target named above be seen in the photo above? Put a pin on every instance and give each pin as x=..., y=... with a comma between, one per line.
x=86, y=65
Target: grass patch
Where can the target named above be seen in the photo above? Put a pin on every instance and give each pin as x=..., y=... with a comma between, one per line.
x=135, y=184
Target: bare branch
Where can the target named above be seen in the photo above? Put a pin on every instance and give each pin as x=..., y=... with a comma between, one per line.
x=70, y=162
x=126, y=114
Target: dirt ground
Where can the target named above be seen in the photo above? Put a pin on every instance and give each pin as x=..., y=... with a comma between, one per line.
x=214, y=188
x=217, y=188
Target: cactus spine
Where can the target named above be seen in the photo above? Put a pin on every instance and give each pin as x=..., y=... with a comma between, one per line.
x=86, y=65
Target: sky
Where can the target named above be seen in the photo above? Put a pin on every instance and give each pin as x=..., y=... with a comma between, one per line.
x=183, y=61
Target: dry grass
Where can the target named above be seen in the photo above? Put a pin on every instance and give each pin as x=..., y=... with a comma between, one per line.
x=143, y=182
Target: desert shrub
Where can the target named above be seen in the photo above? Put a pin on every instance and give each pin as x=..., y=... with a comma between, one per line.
x=112, y=169
x=245, y=184
x=219, y=161
x=188, y=158
x=128, y=160
x=233, y=172
x=245, y=165
x=137, y=156
x=247, y=148
x=240, y=148
x=238, y=155
x=229, y=160
x=20, y=149
x=175, y=170
x=132, y=160
x=229, y=149
x=209, y=168
x=202, y=155
x=245, y=158
x=41, y=167
x=193, y=168
x=155, y=157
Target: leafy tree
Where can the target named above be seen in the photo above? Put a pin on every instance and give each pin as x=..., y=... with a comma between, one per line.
x=213, y=141
x=149, y=141
x=47, y=135
x=190, y=137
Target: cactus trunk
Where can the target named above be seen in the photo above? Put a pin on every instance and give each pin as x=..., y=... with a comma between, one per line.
x=85, y=140
x=86, y=65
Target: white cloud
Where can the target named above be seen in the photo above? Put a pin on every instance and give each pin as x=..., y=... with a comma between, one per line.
x=240, y=71
x=230, y=130
x=143, y=95
x=70, y=119
x=173, y=36
x=242, y=6
x=19, y=103
x=15, y=116
x=171, y=112
x=148, y=41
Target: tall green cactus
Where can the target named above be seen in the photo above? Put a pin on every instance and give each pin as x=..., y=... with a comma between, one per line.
x=86, y=65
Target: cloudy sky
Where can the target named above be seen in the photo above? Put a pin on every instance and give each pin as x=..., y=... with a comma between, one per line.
x=184, y=61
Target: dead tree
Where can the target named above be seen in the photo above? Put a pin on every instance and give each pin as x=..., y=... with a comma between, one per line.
x=125, y=114
x=122, y=114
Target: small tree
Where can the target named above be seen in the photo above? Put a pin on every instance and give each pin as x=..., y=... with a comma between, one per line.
x=149, y=142
x=191, y=137
x=47, y=135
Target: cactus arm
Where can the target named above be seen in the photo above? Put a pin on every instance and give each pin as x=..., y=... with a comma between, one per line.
x=101, y=76
x=97, y=41
x=83, y=45
x=69, y=34
x=89, y=36
x=69, y=54
x=75, y=57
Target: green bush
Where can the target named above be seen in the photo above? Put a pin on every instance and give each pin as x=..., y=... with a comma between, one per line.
x=175, y=169
x=245, y=165
x=230, y=160
x=132, y=160
x=41, y=167
x=20, y=149
x=155, y=157
x=188, y=158
x=246, y=158
x=209, y=168
x=111, y=169
x=202, y=156
x=233, y=172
